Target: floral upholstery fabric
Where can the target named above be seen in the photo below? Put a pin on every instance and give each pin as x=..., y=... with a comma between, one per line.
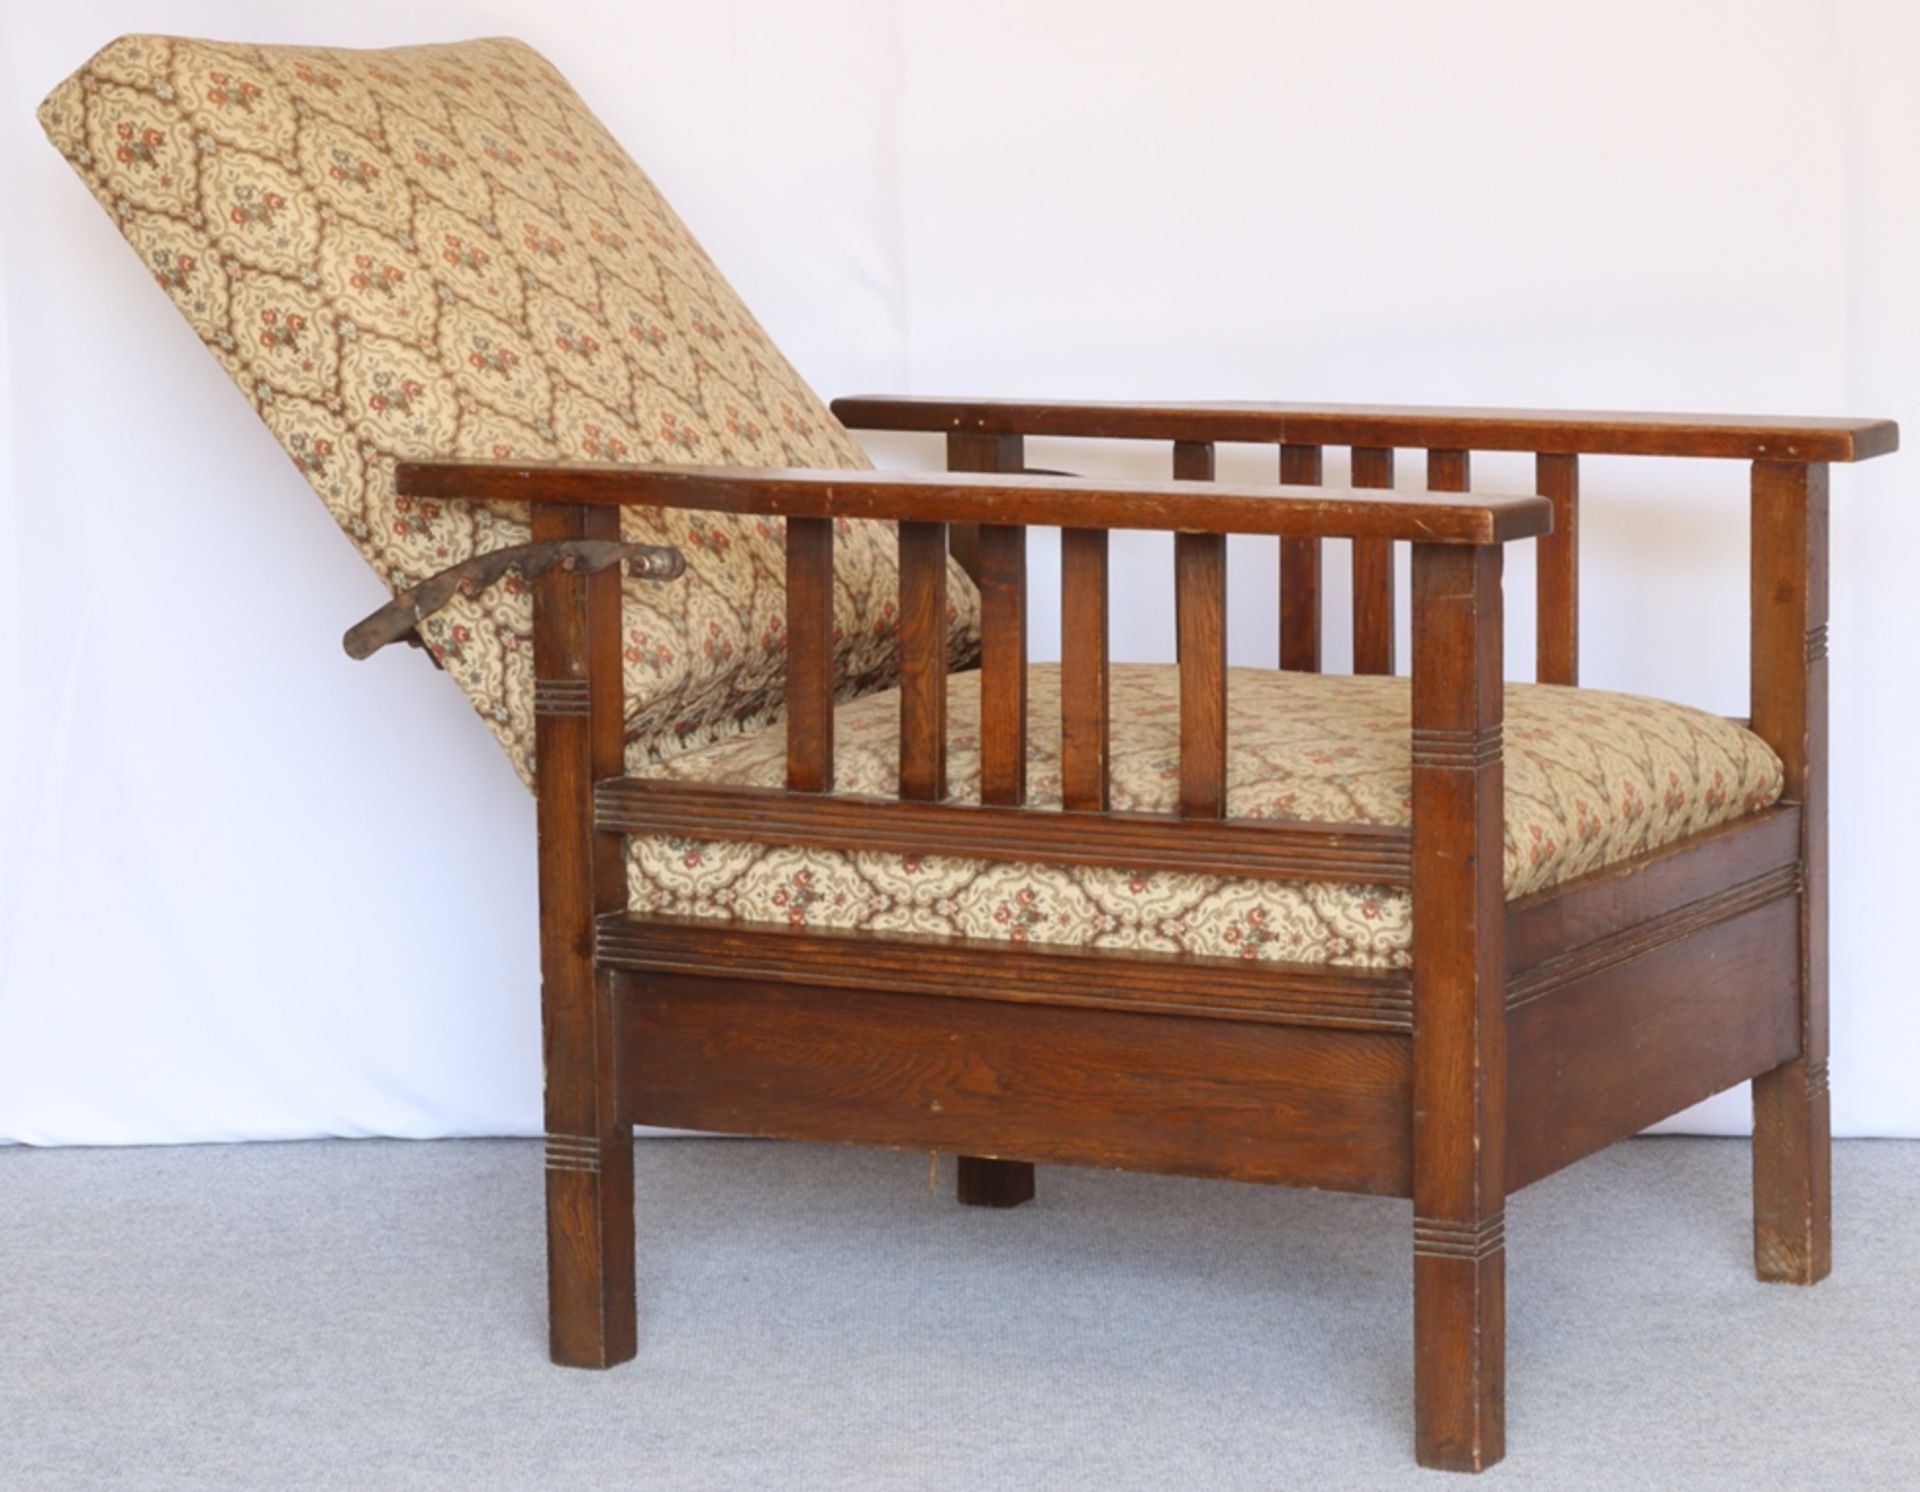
x=1591, y=778
x=439, y=252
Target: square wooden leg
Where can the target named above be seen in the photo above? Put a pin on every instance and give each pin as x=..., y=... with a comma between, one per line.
x=1459, y=1334
x=1792, y=1174
x=994, y=1183
x=590, y=1293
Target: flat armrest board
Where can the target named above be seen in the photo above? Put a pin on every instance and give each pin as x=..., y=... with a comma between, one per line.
x=1070, y=502
x=440, y=252
x=1547, y=431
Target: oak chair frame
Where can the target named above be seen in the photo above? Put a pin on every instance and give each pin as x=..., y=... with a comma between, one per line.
x=1527, y=1033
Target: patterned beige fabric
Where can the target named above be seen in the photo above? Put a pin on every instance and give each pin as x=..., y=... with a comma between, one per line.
x=438, y=251
x=1591, y=778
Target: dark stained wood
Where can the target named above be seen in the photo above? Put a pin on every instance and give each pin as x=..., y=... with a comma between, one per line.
x=579, y=726
x=969, y=452
x=923, y=661
x=1557, y=562
x=1600, y=1058
x=1459, y=1015
x=1525, y=1035
x=1373, y=630
x=1553, y=431
x=810, y=655
x=1792, y=1125
x=987, y=1181
x=1078, y=1087
x=1002, y=580
x=996, y=559
x=1084, y=667
x=1300, y=466
x=1200, y=601
x=1254, y=849
x=1131, y=982
x=1618, y=899
x=933, y=497
x=1449, y=471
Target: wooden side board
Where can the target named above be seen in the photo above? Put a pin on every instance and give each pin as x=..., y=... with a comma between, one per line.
x=1634, y=992
x=983, y=1078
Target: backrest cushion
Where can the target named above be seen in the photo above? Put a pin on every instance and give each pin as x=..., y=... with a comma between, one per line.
x=439, y=252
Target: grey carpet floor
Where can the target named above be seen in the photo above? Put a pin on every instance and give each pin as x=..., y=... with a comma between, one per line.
x=367, y=1315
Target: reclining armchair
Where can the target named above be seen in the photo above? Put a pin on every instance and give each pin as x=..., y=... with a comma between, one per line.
x=824, y=856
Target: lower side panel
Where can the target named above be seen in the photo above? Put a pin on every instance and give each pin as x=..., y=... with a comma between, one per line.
x=1191, y=1096
x=1607, y=1052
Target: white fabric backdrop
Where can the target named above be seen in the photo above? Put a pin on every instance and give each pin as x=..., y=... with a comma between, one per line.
x=248, y=889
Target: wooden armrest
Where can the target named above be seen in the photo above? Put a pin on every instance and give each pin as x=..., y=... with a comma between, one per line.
x=1018, y=500
x=1543, y=431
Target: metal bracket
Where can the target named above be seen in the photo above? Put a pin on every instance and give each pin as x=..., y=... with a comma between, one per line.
x=399, y=620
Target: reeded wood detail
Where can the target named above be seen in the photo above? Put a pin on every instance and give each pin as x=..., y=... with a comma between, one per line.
x=1373, y=607
x=1300, y=466
x=562, y=697
x=810, y=655
x=573, y=1153
x=1651, y=935
x=975, y=969
x=1254, y=849
x=1455, y=749
x=1446, y=1238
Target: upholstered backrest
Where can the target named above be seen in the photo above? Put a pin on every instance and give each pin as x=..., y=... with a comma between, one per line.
x=438, y=251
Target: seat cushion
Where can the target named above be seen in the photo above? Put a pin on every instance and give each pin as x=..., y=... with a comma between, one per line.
x=1591, y=778
x=439, y=252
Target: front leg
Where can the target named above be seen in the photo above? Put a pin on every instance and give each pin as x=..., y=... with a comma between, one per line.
x=1459, y=1011
x=578, y=739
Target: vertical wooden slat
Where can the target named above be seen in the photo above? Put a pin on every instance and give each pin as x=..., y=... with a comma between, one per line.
x=1459, y=1015
x=1003, y=664
x=1193, y=461
x=1300, y=571
x=1557, y=562
x=1200, y=602
x=810, y=655
x=1792, y=1123
x=1083, y=669
x=923, y=661
x=1449, y=471
x=579, y=736
x=1372, y=573
x=969, y=451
